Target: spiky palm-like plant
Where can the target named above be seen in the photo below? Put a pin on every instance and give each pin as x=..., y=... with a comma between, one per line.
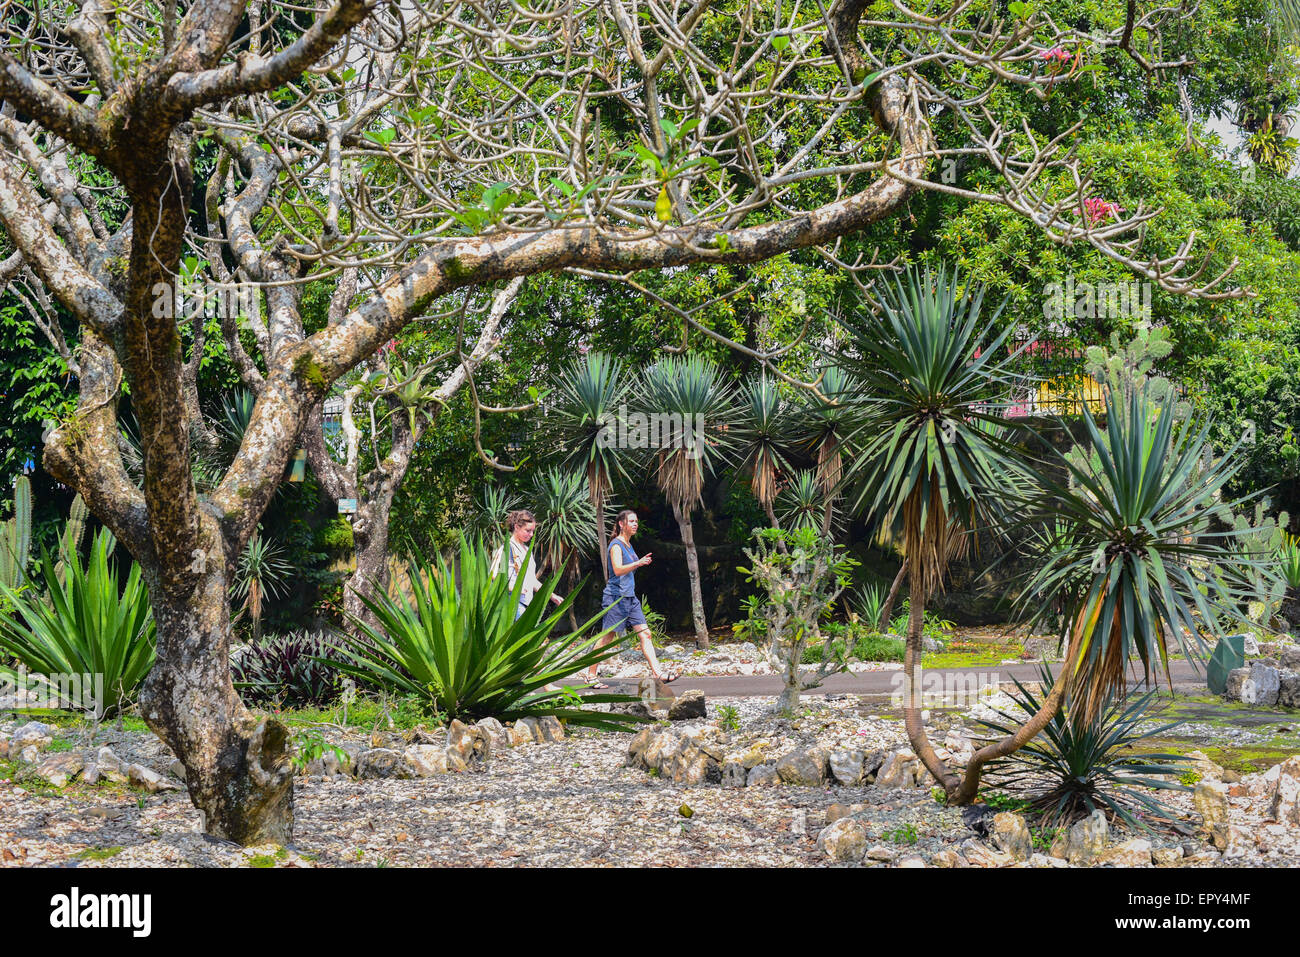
x=934, y=456
x=801, y=503
x=588, y=397
x=825, y=423
x=566, y=522
x=1132, y=567
x=489, y=519
x=261, y=573
x=764, y=436
x=691, y=411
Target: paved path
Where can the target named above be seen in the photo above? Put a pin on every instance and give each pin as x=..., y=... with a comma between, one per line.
x=884, y=682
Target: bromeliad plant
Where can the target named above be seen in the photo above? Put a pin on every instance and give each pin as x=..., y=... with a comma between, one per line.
x=1075, y=767
x=83, y=622
x=460, y=647
x=287, y=670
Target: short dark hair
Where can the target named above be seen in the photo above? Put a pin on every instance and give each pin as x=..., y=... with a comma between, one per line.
x=520, y=517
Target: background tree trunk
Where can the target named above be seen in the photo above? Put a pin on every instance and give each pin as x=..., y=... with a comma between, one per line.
x=693, y=569
x=912, y=686
x=888, y=608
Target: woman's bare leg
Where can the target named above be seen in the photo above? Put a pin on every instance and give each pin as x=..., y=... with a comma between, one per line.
x=593, y=674
x=648, y=650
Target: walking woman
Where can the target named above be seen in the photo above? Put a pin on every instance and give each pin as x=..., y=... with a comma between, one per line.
x=623, y=608
x=512, y=555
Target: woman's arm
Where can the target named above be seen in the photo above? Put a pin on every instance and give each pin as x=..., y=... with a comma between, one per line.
x=616, y=561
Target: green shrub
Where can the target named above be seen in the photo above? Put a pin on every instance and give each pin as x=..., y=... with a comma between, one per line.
x=287, y=671
x=462, y=649
x=335, y=536
x=85, y=624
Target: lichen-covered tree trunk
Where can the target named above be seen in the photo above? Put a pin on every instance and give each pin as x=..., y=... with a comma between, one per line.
x=693, y=571
x=370, y=538
x=237, y=766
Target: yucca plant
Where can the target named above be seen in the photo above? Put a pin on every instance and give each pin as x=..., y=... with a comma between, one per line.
x=489, y=519
x=84, y=624
x=764, y=436
x=587, y=399
x=801, y=504
x=692, y=405
x=1137, y=532
x=1076, y=767
x=935, y=457
x=1288, y=560
x=261, y=573
x=868, y=603
x=460, y=647
x=826, y=422
x=565, y=523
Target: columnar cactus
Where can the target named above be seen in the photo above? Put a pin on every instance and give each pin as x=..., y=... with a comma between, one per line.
x=16, y=541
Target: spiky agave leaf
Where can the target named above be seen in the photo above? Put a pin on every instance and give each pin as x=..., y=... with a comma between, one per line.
x=457, y=643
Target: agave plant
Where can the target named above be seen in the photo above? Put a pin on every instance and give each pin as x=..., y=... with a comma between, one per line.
x=588, y=397
x=1288, y=560
x=1076, y=767
x=693, y=408
x=764, y=436
x=460, y=647
x=934, y=458
x=85, y=624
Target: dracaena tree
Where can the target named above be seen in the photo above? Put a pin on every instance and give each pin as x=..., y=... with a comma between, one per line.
x=411, y=153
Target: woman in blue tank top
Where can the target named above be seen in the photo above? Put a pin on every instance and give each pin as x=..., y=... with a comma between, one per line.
x=622, y=607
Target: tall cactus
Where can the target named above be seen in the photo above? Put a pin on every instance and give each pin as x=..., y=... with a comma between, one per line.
x=73, y=533
x=16, y=542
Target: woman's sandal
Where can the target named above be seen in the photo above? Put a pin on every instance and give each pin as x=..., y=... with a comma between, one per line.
x=670, y=676
x=596, y=684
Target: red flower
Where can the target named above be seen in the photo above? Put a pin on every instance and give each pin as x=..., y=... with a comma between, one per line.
x=1098, y=210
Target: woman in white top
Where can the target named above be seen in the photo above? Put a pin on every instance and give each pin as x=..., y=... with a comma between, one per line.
x=521, y=526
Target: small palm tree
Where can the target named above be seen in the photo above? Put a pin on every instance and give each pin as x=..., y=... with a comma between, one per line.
x=801, y=502
x=260, y=574
x=565, y=523
x=589, y=396
x=692, y=412
x=934, y=459
x=764, y=435
x=489, y=519
x=826, y=422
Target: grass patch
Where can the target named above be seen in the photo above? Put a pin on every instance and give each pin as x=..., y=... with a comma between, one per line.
x=98, y=853
x=966, y=654
x=874, y=647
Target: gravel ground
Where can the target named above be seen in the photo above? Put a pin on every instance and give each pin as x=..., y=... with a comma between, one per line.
x=569, y=803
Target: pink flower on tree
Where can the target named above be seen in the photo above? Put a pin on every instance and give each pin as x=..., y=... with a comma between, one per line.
x=1056, y=57
x=1098, y=210
x=389, y=346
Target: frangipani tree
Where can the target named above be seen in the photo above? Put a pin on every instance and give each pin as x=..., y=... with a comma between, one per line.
x=410, y=153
